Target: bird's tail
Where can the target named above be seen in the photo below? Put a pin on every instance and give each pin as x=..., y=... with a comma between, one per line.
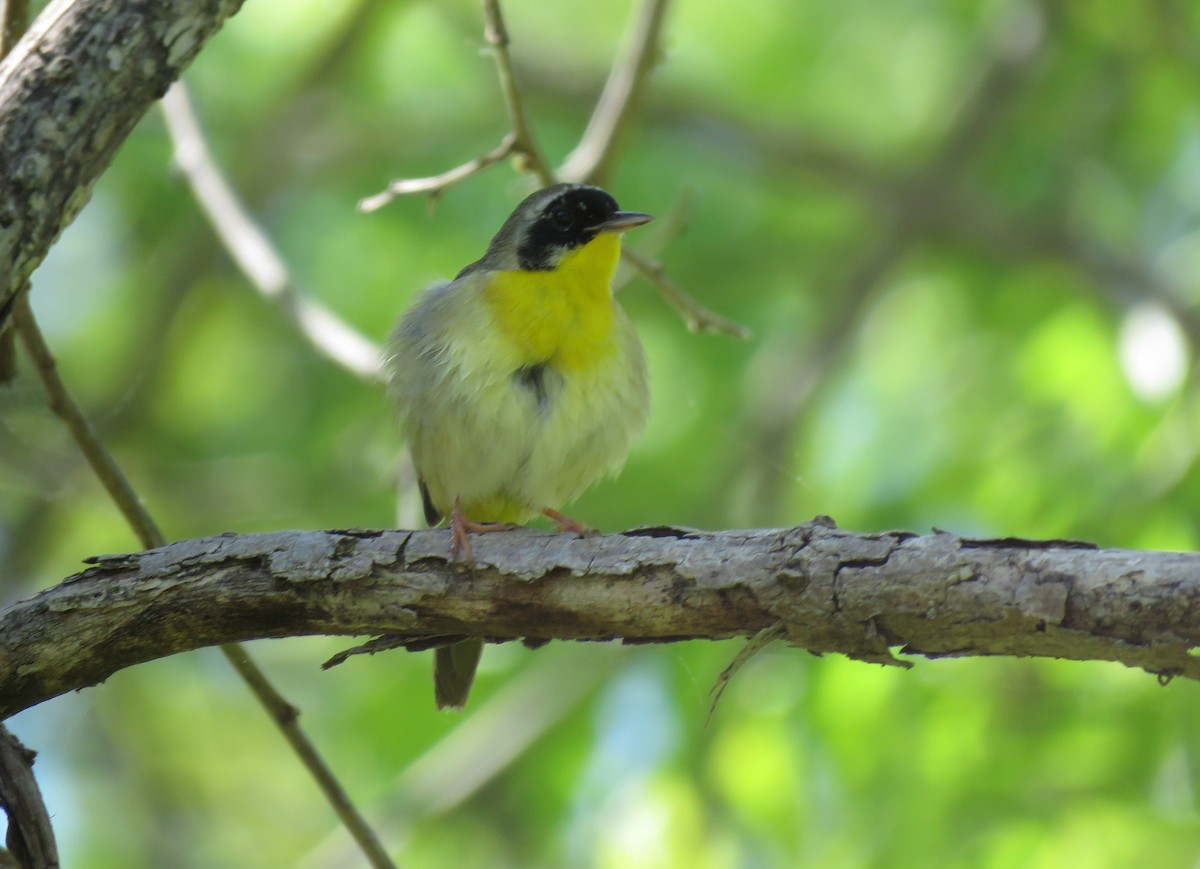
x=454, y=672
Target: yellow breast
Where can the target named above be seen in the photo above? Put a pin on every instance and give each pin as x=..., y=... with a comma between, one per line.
x=564, y=315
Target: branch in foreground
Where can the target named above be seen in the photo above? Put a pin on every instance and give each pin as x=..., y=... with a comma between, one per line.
x=831, y=590
x=59, y=398
x=70, y=92
x=30, y=837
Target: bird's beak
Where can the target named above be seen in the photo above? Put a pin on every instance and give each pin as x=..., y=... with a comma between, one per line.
x=623, y=220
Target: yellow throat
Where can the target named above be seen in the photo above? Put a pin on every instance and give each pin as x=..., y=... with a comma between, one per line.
x=563, y=315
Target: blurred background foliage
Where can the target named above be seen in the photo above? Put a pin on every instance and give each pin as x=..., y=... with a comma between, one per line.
x=966, y=237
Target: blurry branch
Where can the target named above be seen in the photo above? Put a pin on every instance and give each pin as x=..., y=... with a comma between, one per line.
x=592, y=158
x=71, y=90
x=30, y=836
x=123, y=495
x=435, y=185
x=177, y=266
x=753, y=646
x=525, y=147
x=252, y=251
x=936, y=203
x=695, y=316
x=831, y=591
x=355, y=26
x=791, y=372
x=518, y=142
x=82, y=432
x=485, y=743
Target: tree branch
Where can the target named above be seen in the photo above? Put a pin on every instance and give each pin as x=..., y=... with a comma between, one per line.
x=70, y=92
x=831, y=590
x=695, y=316
x=123, y=495
x=435, y=185
x=251, y=249
x=30, y=837
x=592, y=158
x=496, y=34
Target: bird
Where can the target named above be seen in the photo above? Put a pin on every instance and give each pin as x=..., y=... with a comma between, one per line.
x=521, y=382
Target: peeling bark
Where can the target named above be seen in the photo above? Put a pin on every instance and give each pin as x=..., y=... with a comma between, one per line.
x=862, y=595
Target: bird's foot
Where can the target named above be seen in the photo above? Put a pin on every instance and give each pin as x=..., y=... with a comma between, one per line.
x=566, y=523
x=461, y=526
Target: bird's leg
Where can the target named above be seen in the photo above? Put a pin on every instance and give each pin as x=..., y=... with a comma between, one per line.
x=460, y=525
x=566, y=523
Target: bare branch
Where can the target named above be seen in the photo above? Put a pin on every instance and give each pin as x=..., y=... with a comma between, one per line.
x=595, y=151
x=525, y=145
x=832, y=590
x=82, y=432
x=697, y=317
x=253, y=252
x=70, y=92
x=30, y=835
x=434, y=185
x=518, y=142
x=485, y=743
x=125, y=497
x=285, y=716
x=592, y=158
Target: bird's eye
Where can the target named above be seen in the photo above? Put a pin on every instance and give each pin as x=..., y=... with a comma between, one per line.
x=563, y=218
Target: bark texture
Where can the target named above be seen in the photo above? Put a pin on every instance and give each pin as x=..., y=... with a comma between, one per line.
x=830, y=590
x=70, y=93
x=30, y=838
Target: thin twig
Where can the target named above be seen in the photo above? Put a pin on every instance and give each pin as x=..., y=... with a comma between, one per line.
x=697, y=317
x=666, y=229
x=80, y=427
x=525, y=146
x=518, y=142
x=593, y=156
x=252, y=251
x=486, y=743
x=285, y=715
x=437, y=184
x=643, y=261
x=610, y=116
x=150, y=535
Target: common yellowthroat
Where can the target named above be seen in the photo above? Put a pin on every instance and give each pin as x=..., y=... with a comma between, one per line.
x=520, y=382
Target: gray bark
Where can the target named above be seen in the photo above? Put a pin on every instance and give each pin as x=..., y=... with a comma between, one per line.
x=70, y=93
x=30, y=837
x=829, y=590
